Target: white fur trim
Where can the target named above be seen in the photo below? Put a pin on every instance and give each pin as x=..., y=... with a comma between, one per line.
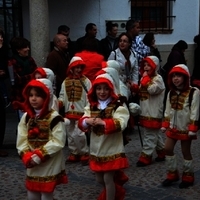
x=75, y=58
x=115, y=76
x=66, y=121
x=134, y=109
x=113, y=64
x=184, y=67
x=107, y=76
x=49, y=73
x=155, y=60
x=48, y=84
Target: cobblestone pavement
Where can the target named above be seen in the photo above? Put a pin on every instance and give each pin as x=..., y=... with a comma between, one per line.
x=144, y=183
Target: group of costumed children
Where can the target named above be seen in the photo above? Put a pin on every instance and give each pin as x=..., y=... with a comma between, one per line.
x=100, y=108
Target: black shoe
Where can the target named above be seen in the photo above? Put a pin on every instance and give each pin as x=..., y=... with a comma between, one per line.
x=185, y=184
x=157, y=159
x=85, y=162
x=167, y=182
x=140, y=164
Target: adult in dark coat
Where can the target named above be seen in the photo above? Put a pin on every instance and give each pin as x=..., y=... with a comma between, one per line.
x=23, y=66
x=90, y=32
x=58, y=60
x=110, y=42
x=196, y=70
x=149, y=40
x=175, y=57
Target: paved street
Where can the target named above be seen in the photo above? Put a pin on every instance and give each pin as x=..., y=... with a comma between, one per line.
x=144, y=183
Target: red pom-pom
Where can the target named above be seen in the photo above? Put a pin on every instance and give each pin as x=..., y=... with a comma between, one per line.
x=34, y=131
x=72, y=107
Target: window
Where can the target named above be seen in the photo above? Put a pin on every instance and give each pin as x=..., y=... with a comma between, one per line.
x=11, y=18
x=154, y=15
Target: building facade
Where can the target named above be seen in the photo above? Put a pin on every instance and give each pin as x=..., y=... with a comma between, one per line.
x=40, y=20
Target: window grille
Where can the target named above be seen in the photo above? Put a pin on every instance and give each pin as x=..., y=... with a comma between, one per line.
x=11, y=18
x=154, y=15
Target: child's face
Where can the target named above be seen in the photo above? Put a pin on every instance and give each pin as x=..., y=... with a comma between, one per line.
x=102, y=91
x=177, y=80
x=77, y=70
x=147, y=68
x=38, y=76
x=24, y=52
x=36, y=101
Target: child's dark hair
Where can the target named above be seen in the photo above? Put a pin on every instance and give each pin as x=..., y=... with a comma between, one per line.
x=17, y=43
x=39, y=91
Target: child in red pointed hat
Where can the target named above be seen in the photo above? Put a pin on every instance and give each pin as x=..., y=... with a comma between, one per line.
x=151, y=95
x=180, y=123
x=40, y=140
x=42, y=72
x=73, y=96
x=106, y=117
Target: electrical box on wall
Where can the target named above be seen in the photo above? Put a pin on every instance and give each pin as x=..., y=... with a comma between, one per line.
x=121, y=25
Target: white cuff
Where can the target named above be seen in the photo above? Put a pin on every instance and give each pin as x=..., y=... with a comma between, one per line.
x=190, y=133
x=66, y=121
x=134, y=109
x=36, y=158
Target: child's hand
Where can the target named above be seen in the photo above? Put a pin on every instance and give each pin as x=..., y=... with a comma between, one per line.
x=89, y=121
x=145, y=73
x=163, y=129
x=31, y=164
x=98, y=121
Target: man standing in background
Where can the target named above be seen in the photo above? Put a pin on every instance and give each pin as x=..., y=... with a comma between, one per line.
x=133, y=29
x=58, y=60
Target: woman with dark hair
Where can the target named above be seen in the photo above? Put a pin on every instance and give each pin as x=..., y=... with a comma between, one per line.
x=149, y=40
x=23, y=65
x=128, y=73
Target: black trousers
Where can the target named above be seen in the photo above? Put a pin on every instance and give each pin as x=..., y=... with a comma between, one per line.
x=2, y=119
